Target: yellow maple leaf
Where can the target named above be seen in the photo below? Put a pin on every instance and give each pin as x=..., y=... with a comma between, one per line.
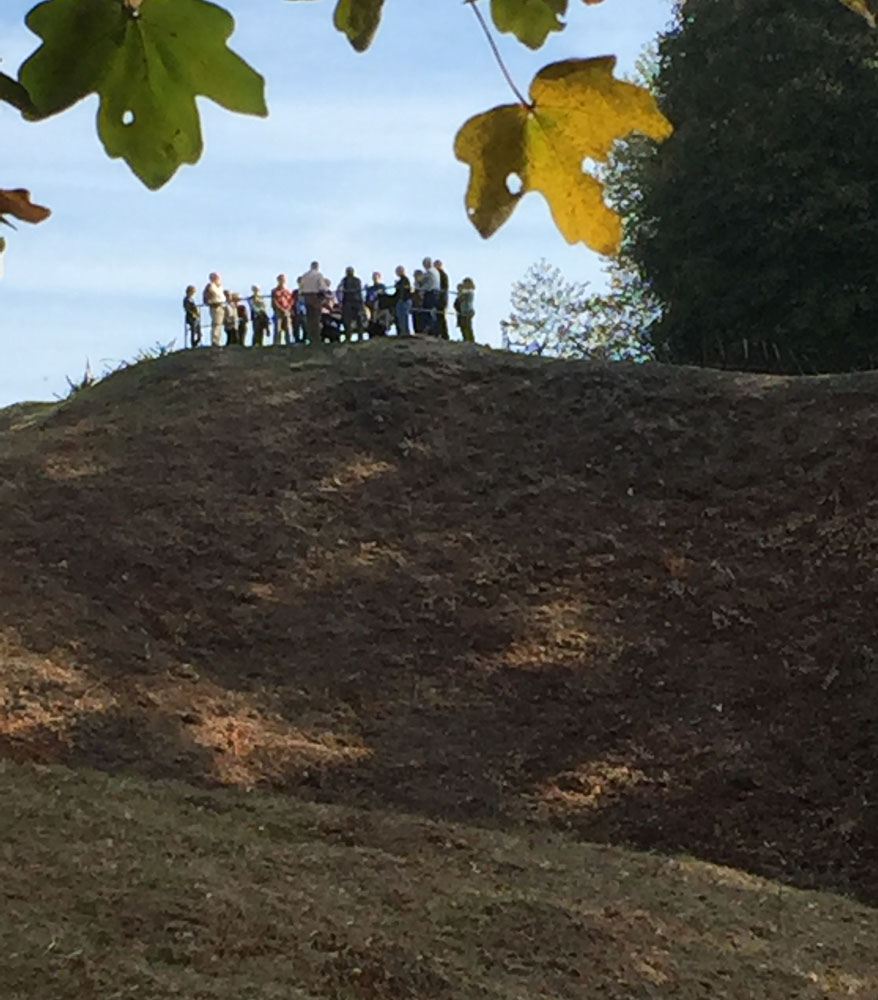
x=577, y=110
x=863, y=9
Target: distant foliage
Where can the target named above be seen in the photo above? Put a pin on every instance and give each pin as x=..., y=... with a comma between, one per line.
x=554, y=317
x=75, y=386
x=756, y=224
x=88, y=378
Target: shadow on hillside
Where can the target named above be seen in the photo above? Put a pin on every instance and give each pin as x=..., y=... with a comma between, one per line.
x=634, y=603
x=117, y=740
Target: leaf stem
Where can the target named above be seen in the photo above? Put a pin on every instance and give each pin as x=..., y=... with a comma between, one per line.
x=480, y=17
x=12, y=92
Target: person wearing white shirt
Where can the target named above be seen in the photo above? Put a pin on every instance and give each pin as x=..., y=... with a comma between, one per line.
x=311, y=286
x=215, y=300
x=431, y=288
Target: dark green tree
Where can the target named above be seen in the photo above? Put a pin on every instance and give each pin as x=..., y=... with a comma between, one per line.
x=756, y=224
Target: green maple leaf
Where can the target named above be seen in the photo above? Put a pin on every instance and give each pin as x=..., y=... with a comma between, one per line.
x=529, y=20
x=577, y=110
x=147, y=60
x=359, y=20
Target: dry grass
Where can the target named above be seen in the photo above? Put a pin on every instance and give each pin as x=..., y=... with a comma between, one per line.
x=428, y=584
x=119, y=887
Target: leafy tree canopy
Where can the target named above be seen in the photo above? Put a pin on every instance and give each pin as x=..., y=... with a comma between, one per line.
x=756, y=224
x=557, y=318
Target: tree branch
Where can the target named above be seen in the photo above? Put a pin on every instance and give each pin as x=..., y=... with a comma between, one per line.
x=12, y=92
x=522, y=100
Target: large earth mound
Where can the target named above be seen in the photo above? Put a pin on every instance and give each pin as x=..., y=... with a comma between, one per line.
x=139, y=889
x=632, y=601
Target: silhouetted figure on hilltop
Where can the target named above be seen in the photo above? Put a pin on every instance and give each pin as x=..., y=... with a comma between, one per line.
x=193, y=317
x=442, y=303
x=352, y=308
x=402, y=302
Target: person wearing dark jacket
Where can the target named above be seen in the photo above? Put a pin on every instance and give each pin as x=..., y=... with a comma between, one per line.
x=243, y=319
x=193, y=317
x=378, y=303
x=402, y=302
x=442, y=306
x=430, y=292
x=350, y=291
x=230, y=319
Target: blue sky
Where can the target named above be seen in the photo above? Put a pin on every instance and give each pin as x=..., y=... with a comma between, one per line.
x=353, y=166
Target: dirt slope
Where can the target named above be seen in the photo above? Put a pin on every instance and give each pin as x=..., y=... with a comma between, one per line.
x=635, y=602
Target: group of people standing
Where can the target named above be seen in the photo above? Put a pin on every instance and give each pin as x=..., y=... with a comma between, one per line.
x=312, y=312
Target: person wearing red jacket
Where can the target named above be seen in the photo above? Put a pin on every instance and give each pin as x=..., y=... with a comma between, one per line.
x=282, y=305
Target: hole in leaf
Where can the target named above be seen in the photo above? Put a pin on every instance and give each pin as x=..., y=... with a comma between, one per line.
x=590, y=166
x=128, y=117
x=514, y=184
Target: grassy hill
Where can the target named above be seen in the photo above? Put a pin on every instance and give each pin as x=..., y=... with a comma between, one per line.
x=422, y=584
x=122, y=887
